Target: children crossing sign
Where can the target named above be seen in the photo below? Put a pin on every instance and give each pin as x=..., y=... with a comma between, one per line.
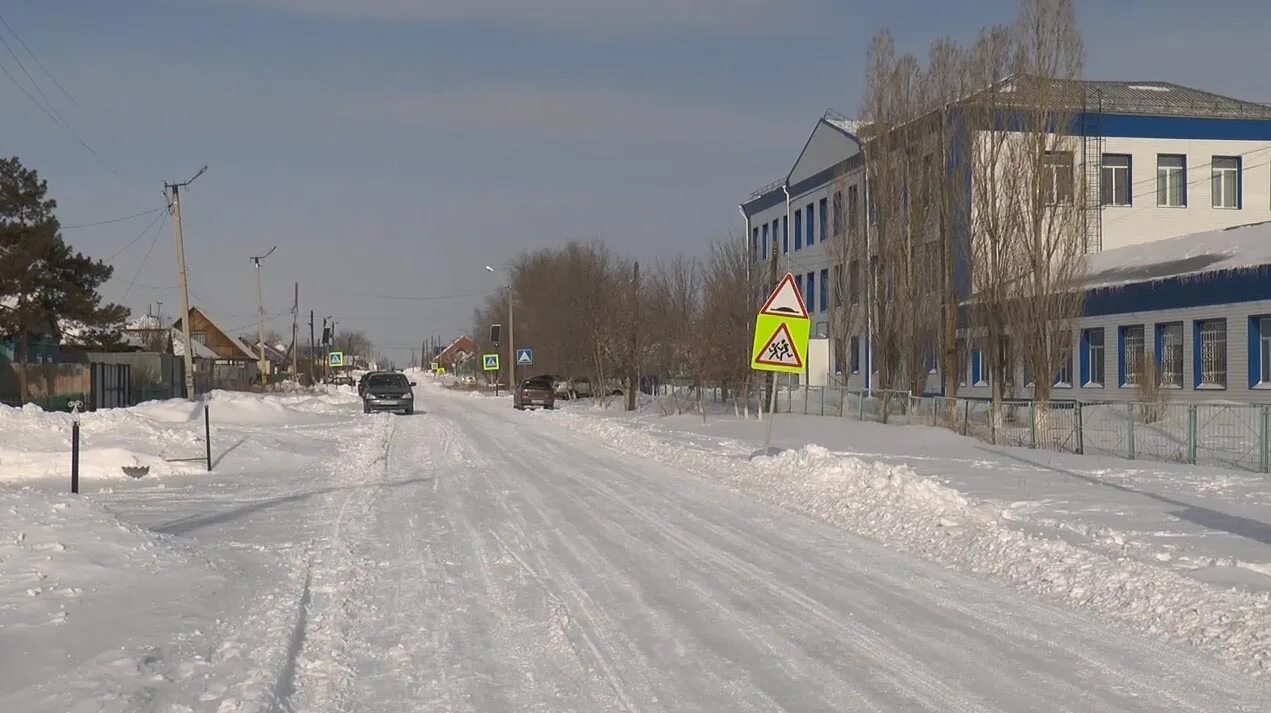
x=781, y=331
x=490, y=362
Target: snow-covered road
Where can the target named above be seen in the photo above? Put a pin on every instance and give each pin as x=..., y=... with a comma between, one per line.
x=479, y=559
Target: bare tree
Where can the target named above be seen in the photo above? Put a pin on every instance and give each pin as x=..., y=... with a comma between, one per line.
x=847, y=253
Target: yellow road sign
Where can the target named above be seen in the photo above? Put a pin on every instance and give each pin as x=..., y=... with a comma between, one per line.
x=490, y=362
x=781, y=331
x=781, y=344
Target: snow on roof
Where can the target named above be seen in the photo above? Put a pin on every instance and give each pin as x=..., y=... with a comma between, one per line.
x=201, y=351
x=1234, y=248
x=145, y=321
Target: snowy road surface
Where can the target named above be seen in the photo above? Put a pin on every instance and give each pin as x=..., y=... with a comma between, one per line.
x=485, y=560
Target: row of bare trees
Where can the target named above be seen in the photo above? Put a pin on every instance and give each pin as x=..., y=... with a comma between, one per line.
x=971, y=160
x=589, y=312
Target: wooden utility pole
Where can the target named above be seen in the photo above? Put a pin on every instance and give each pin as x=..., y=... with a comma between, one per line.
x=295, y=314
x=313, y=348
x=175, y=207
x=263, y=363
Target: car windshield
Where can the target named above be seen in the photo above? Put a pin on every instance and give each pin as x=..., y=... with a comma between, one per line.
x=387, y=381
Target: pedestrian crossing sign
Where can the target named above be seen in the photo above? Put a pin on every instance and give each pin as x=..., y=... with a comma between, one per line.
x=782, y=328
x=335, y=360
x=490, y=362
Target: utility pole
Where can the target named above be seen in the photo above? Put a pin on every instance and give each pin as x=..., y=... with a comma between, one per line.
x=174, y=206
x=262, y=362
x=511, y=340
x=295, y=314
x=313, y=347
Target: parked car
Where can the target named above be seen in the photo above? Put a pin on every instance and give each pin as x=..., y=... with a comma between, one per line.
x=534, y=392
x=388, y=391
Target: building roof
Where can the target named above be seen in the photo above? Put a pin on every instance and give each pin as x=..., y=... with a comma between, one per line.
x=1229, y=249
x=244, y=351
x=201, y=351
x=1167, y=99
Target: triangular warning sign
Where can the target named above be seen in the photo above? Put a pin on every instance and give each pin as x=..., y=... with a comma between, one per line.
x=780, y=350
x=785, y=301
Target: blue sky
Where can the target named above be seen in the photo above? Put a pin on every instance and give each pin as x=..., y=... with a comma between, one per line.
x=395, y=147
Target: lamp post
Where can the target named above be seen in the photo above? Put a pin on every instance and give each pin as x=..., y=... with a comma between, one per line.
x=511, y=333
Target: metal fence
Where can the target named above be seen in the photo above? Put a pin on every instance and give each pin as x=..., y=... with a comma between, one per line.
x=1220, y=434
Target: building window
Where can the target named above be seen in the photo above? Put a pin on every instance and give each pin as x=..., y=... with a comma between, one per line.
x=785, y=236
x=809, y=217
x=798, y=282
x=754, y=242
x=838, y=286
x=824, y=218
x=933, y=359
x=1063, y=377
x=1209, y=353
x=1092, y=357
x=1171, y=180
x=854, y=281
x=1057, y=177
x=1169, y=354
x=853, y=207
x=798, y=230
x=1130, y=357
x=1006, y=358
x=1225, y=181
x=856, y=355
x=962, y=361
x=1115, y=180
x=825, y=290
x=765, y=241
x=975, y=371
x=838, y=213
x=198, y=337
x=811, y=284
x=1260, y=351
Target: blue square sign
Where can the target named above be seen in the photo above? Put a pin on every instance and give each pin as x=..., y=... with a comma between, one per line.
x=524, y=356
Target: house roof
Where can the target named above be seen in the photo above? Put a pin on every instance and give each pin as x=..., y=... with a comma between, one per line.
x=201, y=351
x=235, y=342
x=1229, y=249
x=1167, y=99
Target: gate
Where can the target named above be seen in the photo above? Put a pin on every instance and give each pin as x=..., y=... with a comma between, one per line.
x=112, y=385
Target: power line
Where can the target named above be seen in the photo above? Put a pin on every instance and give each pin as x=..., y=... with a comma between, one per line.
x=149, y=250
x=112, y=220
x=410, y=298
x=47, y=73
x=140, y=235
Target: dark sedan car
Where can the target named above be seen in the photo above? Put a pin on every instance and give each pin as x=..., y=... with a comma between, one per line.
x=536, y=392
x=388, y=391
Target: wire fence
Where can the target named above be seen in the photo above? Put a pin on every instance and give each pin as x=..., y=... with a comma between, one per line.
x=1219, y=434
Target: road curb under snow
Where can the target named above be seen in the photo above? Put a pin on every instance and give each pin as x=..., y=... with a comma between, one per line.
x=900, y=508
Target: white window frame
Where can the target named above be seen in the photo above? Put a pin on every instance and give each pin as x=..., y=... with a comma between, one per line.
x=1165, y=179
x=1135, y=354
x=1264, y=352
x=1101, y=364
x=1057, y=188
x=1224, y=196
x=1213, y=353
x=1108, y=188
x=1171, y=356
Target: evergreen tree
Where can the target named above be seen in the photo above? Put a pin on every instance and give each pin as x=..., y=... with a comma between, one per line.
x=42, y=280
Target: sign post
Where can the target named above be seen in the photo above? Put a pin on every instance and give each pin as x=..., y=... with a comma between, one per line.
x=782, y=328
x=490, y=362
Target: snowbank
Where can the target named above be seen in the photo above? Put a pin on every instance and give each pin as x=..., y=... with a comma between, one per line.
x=896, y=506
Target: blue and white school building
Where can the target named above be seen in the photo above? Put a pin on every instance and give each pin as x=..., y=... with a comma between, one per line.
x=1179, y=244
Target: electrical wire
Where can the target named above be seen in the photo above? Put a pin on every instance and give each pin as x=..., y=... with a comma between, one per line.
x=112, y=220
x=140, y=235
x=409, y=298
x=47, y=73
x=149, y=250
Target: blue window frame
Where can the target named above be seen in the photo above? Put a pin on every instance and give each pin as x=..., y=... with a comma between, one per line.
x=809, y=214
x=1092, y=358
x=765, y=241
x=798, y=230
x=1169, y=354
x=754, y=242
x=785, y=235
x=1131, y=349
x=821, y=214
x=825, y=290
x=798, y=282
x=1209, y=353
x=856, y=355
x=1260, y=351
x=776, y=238
x=810, y=283
x=976, y=375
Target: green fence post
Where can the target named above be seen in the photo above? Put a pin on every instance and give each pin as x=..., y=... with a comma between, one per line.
x=1191, y=434
x=1129, y=422
x=1032, y=424
x=1081, y=445
x=1262, y=438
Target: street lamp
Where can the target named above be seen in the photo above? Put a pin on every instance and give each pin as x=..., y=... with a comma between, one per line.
x=511, y=334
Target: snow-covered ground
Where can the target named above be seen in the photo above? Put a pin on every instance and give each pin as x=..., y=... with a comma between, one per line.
x=474, y=558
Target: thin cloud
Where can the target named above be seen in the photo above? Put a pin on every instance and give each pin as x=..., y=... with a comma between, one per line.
x=581, y=115
x=607, y=17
